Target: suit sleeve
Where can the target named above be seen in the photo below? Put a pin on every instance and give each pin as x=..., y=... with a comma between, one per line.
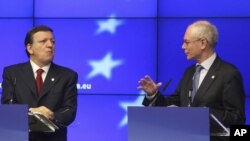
x=7, y=87
x=233, y=98
x=173, y=99
x=67, y=113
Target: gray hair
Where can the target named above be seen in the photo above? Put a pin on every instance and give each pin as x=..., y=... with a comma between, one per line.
x=205, y=29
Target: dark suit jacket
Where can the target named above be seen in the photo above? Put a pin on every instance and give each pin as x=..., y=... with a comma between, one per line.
x=59, y=94
x=221, y=90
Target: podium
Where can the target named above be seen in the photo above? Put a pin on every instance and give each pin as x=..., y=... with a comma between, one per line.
x=168, y=124
x=13, y=122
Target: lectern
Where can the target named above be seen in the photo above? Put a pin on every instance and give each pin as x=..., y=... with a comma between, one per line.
x=13, y=122
x=168, y=124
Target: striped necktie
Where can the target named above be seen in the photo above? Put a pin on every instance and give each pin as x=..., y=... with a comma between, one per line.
x=196, y=80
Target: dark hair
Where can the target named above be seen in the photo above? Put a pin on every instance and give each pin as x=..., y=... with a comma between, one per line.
x=29, y=36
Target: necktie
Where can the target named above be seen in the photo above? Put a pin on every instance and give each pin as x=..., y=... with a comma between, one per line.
x=196, y=80
x=39, y=80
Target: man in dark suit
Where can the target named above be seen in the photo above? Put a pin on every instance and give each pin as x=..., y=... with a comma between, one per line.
x=220, y=85
x=57, y=99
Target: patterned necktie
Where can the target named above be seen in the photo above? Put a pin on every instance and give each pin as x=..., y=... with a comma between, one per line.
x=196, y=80
x=39, y=80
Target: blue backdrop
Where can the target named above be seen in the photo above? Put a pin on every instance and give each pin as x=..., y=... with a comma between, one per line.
x=113, y=43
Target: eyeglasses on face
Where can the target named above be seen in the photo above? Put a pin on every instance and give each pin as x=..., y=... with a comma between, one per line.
x=187, y=42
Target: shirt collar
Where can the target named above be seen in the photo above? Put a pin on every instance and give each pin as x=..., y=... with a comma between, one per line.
x=35, y=67
x=208, y=62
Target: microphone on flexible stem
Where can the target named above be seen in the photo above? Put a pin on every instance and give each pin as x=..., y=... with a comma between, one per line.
x=13, y=94
x=189, y=97
x=190, y=94
x=166, y=85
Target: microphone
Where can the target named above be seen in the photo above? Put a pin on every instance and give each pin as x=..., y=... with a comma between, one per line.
x=13, y=94
x=189, y=97
x=190, y=94
x=166, y=85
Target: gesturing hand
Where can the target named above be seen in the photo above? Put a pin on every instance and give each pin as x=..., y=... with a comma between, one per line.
x=148, y=85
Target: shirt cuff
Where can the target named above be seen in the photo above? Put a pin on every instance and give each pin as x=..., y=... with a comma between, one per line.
x=152, y=96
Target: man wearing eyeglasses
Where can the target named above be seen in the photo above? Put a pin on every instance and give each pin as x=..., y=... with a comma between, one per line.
x=216, y=84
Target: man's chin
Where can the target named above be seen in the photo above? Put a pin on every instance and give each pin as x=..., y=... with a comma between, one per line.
x=50, y=57
x=49, y=60
x=189, y=58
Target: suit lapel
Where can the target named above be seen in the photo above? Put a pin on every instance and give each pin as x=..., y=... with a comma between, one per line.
x=50, y=80
x=28, y=77
x=208, y=80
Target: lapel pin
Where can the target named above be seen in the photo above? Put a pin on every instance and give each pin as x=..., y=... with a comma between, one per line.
x=52, y=79
x=212, y=76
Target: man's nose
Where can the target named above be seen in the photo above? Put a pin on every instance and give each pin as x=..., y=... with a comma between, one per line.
x=183, y=46
x=50, y=43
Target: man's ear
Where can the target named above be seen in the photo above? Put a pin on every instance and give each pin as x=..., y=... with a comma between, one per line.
x=204, y=43
x=29, y=49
